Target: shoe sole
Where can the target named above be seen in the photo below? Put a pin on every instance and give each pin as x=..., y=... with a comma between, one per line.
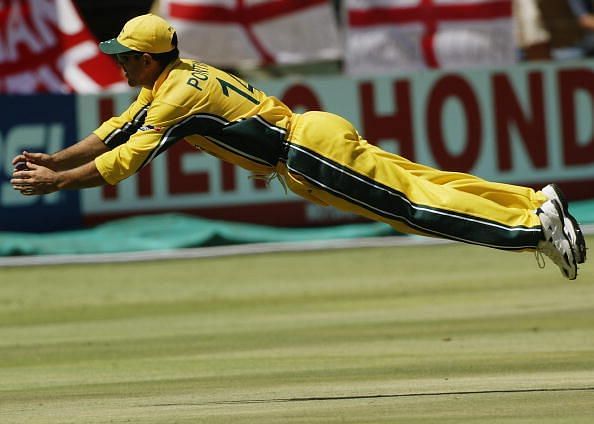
x=580, y=240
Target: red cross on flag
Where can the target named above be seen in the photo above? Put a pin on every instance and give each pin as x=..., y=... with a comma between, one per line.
x=46, y=47
x=385, y=36
x=249, y=33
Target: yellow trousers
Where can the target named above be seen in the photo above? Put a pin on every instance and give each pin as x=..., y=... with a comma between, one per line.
x=329, y=163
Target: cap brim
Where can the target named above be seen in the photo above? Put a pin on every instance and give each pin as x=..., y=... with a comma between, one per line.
x=113, y=46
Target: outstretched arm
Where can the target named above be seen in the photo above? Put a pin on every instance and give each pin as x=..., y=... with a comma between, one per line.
x=75, y=167
x=38, y=179
x=71, y=157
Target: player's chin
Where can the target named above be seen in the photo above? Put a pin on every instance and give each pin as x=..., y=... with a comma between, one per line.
x=128, y=79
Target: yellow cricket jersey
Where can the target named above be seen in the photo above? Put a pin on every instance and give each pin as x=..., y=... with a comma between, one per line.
x=209, y=108
x=319, y=156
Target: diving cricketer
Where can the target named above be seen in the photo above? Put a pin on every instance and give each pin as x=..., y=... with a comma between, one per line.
x=318, y=155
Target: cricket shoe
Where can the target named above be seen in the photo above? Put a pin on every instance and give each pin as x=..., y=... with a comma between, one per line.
x=570, y=225
x=556, y=244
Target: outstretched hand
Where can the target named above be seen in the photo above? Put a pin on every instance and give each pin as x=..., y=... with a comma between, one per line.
x=35, y=179
x=42, y=159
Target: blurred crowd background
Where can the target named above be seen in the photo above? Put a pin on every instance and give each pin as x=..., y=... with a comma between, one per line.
x=276, y=38
x=542, y=29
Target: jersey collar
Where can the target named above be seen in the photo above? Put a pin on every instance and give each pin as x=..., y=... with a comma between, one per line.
x=164, y=74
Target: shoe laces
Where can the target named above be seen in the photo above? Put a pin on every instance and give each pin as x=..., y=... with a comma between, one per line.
x=540, y=260
x=551, y=246
x=268, y=178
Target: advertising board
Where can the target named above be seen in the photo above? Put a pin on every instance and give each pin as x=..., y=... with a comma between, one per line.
x=527, y=124
x=41, y=123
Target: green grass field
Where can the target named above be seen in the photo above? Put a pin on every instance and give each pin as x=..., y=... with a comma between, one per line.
x=425, y=334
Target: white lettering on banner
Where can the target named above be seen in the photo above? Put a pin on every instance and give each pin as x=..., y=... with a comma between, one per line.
x=525, y=125
x=23, y=83
x=60, y=13
x=36, y=137
x=45, y=47
x=44, y=14
x=28, y=82
x=17, y=32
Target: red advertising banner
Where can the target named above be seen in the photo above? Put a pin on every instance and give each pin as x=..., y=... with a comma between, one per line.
x=46, y=47
x=527, y=125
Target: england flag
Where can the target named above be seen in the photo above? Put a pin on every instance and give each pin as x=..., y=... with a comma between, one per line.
x=250, y=33
x=46, y=47
x=387, y=36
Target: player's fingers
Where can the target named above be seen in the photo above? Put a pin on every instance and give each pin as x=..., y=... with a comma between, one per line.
x=32, y=156
x=19, y=158
x=21, y=187
x=25, y=182
x=38, y=158
x=28, y=192
x=23, y=175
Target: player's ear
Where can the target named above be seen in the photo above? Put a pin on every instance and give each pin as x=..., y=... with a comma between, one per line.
x=147, y=59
